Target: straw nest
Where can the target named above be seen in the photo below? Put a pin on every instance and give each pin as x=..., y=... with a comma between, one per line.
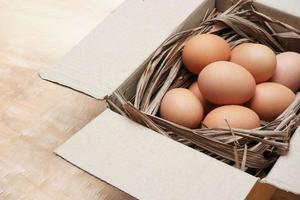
x=253, y=151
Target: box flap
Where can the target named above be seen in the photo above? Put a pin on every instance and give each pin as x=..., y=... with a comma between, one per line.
x=150, y=166
x=119, y=45
x=285, y=173
x=292, y=7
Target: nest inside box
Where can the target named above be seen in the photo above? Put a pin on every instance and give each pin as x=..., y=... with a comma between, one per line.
x=253, y=151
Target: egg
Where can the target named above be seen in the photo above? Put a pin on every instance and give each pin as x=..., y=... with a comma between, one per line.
x=258, y=59
x=182, y=107
x=235, y=115
x=207, y=106
x=195, y=90
x=288, y=70
x=270, y=100
x=204, y=49
x=224, y=83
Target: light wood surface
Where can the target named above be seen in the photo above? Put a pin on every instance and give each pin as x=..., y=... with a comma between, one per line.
x=37, y=116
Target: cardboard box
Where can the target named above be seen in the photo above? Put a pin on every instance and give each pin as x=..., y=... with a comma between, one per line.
x=134, y=158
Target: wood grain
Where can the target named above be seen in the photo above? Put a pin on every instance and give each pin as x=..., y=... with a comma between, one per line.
x=37, y=116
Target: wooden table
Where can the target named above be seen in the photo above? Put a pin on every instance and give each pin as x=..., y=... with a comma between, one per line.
x=37, y=116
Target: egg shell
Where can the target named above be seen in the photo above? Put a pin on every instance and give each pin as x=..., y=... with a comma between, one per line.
x=225, y=83
x=270, y=100
x=182, y=107
x=288, y=70
x=235, y=115
x=258, y=59
x=204, y=49
x=194, y=88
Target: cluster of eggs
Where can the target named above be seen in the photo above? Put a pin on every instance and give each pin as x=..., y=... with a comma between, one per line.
x=235, y=88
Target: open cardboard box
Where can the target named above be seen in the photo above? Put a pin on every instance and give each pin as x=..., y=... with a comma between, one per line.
x=134, y=158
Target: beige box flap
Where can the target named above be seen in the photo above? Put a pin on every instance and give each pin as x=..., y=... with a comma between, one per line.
x=119, y=45
x=291, y=7
x=285, y=174
x=150, y=166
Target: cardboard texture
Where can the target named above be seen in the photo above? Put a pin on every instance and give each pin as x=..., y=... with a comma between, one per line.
x=147, y=165
x=292, y=7
x=134, y=158
x=285, y=173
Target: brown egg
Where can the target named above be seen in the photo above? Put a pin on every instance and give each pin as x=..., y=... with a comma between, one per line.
x=182, y=107
x=236, y=116
x=206, y=105
x=258, y=59
x=225, y=82
x=288, y=70
x=270, y=100
x=195, y=89
x=204, y=49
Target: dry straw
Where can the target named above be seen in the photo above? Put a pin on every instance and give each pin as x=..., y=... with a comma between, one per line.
x=250, y=150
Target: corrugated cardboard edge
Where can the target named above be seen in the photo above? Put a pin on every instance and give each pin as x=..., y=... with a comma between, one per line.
x=124, y=40
x=150, y=166
x=285, y=173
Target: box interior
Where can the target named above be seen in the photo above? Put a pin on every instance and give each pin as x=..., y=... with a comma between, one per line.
x=128, y=87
